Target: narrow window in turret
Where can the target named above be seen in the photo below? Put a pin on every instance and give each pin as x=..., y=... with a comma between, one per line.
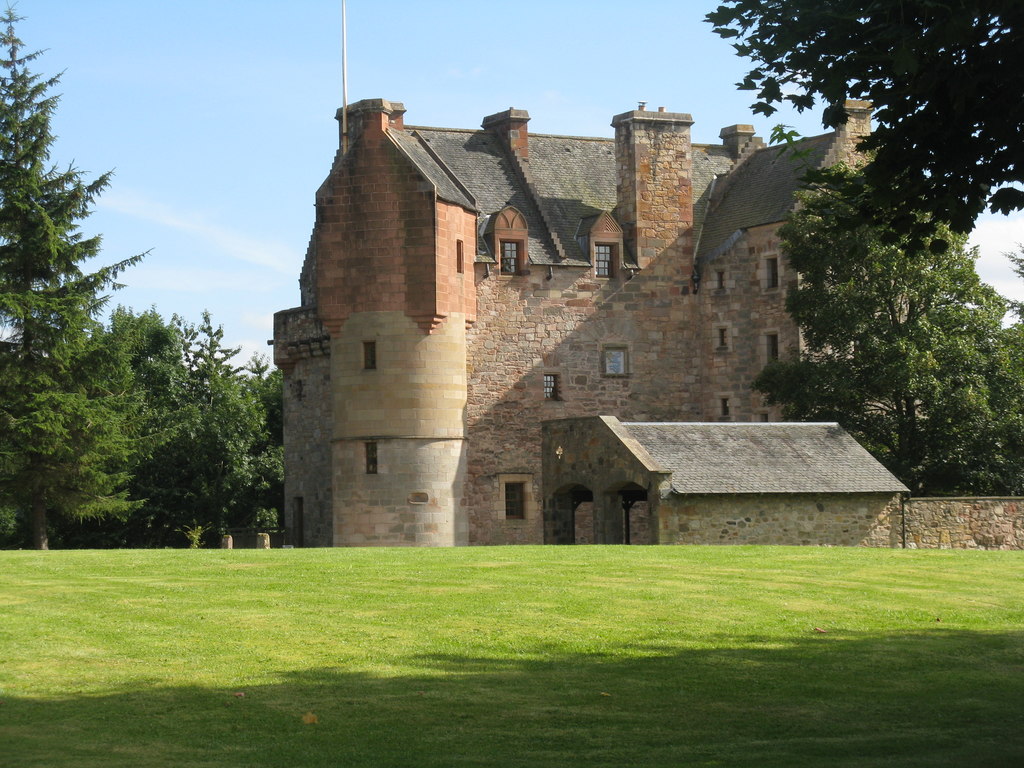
x=369, y=355
x=371, y=458
x=460, y=263
x=720, y=280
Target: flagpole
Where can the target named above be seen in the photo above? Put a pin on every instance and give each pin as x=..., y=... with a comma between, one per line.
x=344, y=80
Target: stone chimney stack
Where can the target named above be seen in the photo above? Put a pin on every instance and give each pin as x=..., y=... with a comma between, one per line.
x=858, y=125
x=510, y=125
x=371, y=114
x=739, y=140
x=653, y=163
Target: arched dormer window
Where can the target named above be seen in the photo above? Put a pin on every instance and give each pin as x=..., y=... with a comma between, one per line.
x=600, y=237
x=508, y=235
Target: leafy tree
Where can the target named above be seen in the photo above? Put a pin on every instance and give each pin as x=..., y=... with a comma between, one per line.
x=212, y=459
x=944, y=77
x=63, y=436
x=906, y=350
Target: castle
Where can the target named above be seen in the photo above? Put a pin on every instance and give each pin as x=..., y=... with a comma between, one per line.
x=462, y=287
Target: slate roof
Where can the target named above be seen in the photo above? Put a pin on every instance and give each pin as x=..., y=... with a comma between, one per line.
x=760, y=191
x=573, y=179
x=480, y=162
x=786, y=457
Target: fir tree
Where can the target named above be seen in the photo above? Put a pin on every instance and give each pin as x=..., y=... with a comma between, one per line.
x=64, y=446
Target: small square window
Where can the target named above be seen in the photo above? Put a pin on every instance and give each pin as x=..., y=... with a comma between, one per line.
x=551, y=388
x=369, y=355
x=515, y=501
x=604, y=260
x=614, y=361
x=371, y=458
x=772, y=272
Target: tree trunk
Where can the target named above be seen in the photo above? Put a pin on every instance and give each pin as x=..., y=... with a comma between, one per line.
x=39, y=538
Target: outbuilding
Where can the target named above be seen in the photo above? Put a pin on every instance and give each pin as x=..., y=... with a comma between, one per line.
x=612, y=482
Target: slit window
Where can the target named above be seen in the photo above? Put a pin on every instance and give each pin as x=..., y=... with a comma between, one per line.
x=723, y=338
x=460, y=260
x=772, y=346
x=772, y=272
x=371, y=457
x=724, y=406
x=369, y=355
x=720, y=280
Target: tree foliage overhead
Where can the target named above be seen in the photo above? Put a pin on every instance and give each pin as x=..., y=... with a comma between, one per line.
x=906, y=350
x=945, y=80
x=63, y=439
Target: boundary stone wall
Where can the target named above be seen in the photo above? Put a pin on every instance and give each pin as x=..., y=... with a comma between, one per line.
x=964, y=523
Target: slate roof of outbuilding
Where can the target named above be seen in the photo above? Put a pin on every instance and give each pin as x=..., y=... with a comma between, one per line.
x=760, y=191
x=781, y=457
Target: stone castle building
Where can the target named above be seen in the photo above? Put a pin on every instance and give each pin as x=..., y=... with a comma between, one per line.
x=462, y=287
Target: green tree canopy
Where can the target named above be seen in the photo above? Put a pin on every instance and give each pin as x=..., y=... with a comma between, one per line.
x=906, y=350
x=945, y=80
x=64, y=442
x=212, y=456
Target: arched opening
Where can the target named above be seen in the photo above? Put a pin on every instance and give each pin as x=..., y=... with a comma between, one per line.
x=629, y=520
x=569, y=516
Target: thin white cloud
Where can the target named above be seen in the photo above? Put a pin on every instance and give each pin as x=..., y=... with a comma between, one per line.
x=229, y=242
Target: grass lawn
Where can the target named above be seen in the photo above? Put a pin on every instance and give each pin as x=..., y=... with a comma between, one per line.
x=513, y=656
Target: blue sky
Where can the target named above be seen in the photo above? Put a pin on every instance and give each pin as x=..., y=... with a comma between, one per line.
x=217, y=116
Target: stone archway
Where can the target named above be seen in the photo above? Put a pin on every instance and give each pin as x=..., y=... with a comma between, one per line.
x=569, y=516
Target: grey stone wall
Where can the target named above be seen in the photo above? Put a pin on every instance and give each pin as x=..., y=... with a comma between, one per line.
x=964, y=523
x=787, y=519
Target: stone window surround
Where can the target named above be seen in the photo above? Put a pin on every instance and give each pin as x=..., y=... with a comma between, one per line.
x=771, y=273
x=611, y=264
x=529, y=500
x=607, y=352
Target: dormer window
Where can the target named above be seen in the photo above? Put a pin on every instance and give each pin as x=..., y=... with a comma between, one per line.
x=509, y=236
x=600, y=238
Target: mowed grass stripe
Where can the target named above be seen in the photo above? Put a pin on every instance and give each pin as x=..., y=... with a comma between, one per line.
x=516, y=656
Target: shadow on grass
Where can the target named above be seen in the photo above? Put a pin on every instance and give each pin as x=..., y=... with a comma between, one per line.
x=934, y=698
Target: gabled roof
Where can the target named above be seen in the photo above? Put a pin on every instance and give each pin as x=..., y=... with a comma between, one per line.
x=481, y=164
x=761, y=190
x=788, y=457
x=573, y=178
